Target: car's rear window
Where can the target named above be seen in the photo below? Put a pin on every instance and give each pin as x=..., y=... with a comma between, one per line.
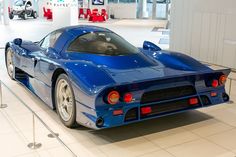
x=104, y=43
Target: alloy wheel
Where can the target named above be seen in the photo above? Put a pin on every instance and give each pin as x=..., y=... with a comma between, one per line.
x=65, y=100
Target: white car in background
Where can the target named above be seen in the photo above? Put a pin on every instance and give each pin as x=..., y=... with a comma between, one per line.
x=23, y=9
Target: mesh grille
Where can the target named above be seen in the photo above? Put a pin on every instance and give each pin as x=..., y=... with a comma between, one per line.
x=132, y=114
x=166, y=94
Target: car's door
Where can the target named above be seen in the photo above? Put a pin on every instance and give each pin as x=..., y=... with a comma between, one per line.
x=43, y=61
x=28, y=8
x=30, y=59
x=44, y=66
x=27, y=58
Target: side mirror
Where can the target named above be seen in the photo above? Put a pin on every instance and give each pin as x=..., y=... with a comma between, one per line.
x=147, y=45
x=17, y=41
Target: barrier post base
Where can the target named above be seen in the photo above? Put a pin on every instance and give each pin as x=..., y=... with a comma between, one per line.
x=230, y=102
x=3, y=106
x=34, y=145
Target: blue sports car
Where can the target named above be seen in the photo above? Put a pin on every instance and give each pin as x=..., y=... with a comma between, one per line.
x=95, y=78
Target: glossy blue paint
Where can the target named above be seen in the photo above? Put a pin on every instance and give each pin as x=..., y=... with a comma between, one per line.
x=147, y=45
x=92, y=76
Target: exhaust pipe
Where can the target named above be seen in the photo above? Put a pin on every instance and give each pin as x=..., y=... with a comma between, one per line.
x=225, y=97
x=100, y=122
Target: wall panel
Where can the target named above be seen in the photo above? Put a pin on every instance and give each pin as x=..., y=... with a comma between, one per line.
x=205, y=29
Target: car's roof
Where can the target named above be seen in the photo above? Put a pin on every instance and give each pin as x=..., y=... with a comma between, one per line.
x=82, y=29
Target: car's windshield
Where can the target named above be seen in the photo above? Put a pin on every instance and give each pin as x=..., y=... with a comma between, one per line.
x=20, y=3
x=105, y=43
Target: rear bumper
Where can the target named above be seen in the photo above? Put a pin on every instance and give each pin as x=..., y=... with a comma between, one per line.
x=132, y=112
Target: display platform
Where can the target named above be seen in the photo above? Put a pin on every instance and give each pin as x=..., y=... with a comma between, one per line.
x=206, y=132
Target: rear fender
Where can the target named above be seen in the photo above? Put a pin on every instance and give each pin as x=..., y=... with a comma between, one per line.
x=88, y=80
x=178, y=61
x=90, y=77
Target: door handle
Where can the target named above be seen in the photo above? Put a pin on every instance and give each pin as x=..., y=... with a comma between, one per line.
x=35, y=58
x=24, y=54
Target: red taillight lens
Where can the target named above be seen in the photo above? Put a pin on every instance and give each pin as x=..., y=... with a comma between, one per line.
x=222, y=79
x=146, y=110
x=117, y=112
x=214, y=83
x=113, y=97
x=128, y=97
x=193, y=101
x=213, y=94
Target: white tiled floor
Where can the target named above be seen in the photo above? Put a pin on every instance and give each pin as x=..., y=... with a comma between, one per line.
x=208, y=132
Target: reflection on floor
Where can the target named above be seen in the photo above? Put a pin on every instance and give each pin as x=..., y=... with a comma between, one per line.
x=208, y=132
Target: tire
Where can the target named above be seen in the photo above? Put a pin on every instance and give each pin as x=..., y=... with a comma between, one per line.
x=65, y=101
x=9, y=62
x=34, y=14
x=24, y=16
x=11, y=15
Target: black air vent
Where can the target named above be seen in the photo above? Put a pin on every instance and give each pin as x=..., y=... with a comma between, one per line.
x=167, y=94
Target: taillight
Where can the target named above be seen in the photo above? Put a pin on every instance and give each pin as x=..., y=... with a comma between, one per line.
x=222, y=79
x=193, y=101
x=214, y=83
x=146, y=110
x=113, y=97
x=128, y=97
x=117, y=112
x=213, y=94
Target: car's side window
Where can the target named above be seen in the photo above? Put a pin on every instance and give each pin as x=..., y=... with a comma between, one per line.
x=54, y=38
x=50, y=39
x=46, y=42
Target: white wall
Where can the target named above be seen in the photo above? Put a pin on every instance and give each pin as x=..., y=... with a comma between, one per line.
x=205, y=29
x=123, y=10
x=65, y=15
x=1, y=11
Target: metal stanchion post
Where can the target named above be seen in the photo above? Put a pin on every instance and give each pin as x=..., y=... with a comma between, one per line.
x=230, y=86
x=34, y=145
x=1, y=104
